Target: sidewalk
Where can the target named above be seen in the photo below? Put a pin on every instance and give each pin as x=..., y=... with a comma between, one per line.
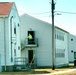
x=65, y=72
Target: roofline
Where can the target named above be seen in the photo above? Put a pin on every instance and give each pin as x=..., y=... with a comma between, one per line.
x=15, y=10
x=62, y=29
x=35, y=18
x=11, y=9
x=44, y=22
x=3, y=16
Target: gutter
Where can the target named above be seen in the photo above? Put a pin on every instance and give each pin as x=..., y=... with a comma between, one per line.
x=4, y=43
x=11, y=37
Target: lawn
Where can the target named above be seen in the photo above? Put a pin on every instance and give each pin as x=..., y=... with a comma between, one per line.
x=69, y=70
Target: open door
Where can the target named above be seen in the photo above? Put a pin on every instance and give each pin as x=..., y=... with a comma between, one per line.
x=31, y=35
x=30, y=56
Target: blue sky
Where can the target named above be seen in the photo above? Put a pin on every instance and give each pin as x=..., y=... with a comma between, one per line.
x=41, y=8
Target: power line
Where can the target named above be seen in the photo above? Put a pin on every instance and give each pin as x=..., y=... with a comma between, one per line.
x=59, y=23
x=54, y=12
x=43, y=12
x=40, y=13
x=66, y=12
x=29, y=12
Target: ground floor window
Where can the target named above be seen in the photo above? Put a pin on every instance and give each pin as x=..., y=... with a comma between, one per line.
x=60, y=53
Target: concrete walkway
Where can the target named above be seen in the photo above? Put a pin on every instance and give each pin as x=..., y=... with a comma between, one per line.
x=63, y=72
x=58, y=72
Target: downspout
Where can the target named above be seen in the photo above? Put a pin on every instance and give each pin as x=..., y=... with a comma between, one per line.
x=11, y=37
x=4, y=43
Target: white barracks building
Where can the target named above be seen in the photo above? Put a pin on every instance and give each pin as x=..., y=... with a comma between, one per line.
x=39, y=50
x=9, y=35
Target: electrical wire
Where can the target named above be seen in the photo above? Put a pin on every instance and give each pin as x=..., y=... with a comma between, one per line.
x=40, y=13
x=66, y=12
x=60, y=24
x=29, y=12
x=43, y=12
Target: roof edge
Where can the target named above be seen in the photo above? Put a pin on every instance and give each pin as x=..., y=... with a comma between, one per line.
x=3, y=16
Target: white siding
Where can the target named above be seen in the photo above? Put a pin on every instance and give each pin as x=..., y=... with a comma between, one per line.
x=15, y=37
x=61, y=47
x=72, y=47
x=5, y=38
x=2, y=39
x=43, y=31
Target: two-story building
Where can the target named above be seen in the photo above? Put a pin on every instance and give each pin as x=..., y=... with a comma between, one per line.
x=9, y=35
x=72, y=48
x=39, y=50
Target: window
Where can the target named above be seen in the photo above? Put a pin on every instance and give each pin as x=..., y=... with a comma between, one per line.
x=18, y=24
x=60, y=35
x=14, y=30
x=71, y=39
x=18, y=47
x=14, y=52
x=72, y=51
x=60, y=53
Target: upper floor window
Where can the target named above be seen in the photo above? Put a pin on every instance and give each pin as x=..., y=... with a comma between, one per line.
x=14, y=30
x=59, y=35
x=18, y=24
x=71, y=39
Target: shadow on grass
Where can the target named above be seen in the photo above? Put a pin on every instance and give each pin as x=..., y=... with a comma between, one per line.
x=39, y=72
x=23, y=72
x=32, y=71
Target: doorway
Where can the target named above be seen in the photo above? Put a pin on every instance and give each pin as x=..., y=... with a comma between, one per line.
x=74, y=55
x=31, y=41
x=30, y=56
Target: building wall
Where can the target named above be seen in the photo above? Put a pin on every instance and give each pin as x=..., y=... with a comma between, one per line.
x=5, y=38
x=16, y=48
x=61, y=47
x=2, y=42
x=40, y=28
x=43, y=31
x=72, y=47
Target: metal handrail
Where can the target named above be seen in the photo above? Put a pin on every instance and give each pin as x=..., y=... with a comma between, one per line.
x=21, y=61
x=25, y=42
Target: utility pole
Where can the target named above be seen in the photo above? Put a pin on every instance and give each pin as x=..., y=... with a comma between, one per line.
x=53, y=37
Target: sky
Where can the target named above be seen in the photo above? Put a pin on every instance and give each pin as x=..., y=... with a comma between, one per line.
x=41, y=9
